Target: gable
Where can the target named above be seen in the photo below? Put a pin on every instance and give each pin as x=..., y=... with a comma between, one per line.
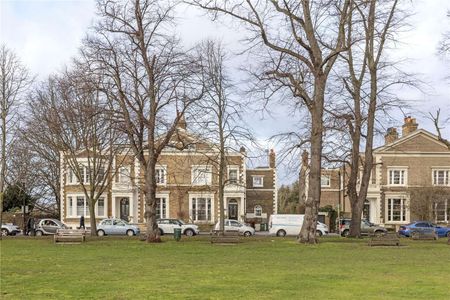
x=417, y=142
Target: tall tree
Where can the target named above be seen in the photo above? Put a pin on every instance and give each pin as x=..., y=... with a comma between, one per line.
x=14, y=82
x=371, y=27
x=149, y=80
x=77, y=114
x=302, y=40
x=218, y=116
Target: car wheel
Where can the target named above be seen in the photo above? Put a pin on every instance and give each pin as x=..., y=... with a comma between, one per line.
x=247, y=233
x=39, y=233
x=161, y=232
x=130, y=232
x=448, y=234
x=4, y=232
x=281, y=232
x=189, y=232
x=100, y=232
x=345, y=233
x=319, y=233
x=414, y=235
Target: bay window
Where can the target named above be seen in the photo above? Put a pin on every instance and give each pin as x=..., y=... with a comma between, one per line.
x=200, y=209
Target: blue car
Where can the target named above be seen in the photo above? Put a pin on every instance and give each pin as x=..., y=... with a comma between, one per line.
x=405, y=230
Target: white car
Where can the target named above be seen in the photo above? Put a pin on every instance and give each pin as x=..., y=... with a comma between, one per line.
x=231, y=225
x=10, y=229
x=168, y=226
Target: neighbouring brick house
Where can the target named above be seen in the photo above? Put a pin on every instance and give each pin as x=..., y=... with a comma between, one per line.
x=187, y=188
x=261, y=192
x=415, y=164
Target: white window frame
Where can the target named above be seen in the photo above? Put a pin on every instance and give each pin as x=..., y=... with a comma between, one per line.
x=403, y=180
x=256, y=209
x=124, y=175
x=328, y=177
x=446, y=212
x=256, y=184
x=233, y=168
x=446, y=177
x=206, y=169
x=72, y=211
x=164, y=177
x=404, y=211
x=166, y=199
x=193, y=198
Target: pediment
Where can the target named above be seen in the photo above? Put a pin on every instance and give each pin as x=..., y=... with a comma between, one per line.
x=420, y=141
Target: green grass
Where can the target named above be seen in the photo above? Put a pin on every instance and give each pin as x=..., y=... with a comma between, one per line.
x=258, y=268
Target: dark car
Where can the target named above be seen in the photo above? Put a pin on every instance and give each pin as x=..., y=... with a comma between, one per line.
x=49, y=226
x=367, y=228
x=407, y=230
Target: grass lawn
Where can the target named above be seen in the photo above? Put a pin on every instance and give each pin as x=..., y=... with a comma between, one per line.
x=258, y=268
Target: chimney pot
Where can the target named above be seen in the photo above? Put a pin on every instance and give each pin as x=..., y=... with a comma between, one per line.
x=391, y=135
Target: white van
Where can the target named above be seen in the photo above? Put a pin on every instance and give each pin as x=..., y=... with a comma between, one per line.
x=282, y=225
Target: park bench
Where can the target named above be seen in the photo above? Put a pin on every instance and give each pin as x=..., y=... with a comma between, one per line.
x=389, y=239
x=70, y=236
x=225, y=237
x=424, y=234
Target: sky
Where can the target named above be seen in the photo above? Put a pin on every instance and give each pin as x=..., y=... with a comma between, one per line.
x=46, y=35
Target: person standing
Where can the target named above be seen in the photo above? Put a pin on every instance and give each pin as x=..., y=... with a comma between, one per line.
x=82, y=222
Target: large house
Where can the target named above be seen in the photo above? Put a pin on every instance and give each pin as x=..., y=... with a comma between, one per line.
x=410, y=180
x=187, y=186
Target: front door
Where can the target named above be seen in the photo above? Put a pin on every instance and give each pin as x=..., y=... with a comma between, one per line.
x=366, y=210
x=233, y=209
x=124, y=208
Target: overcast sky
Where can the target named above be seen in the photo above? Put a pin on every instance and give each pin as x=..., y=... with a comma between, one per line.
x=46, y=34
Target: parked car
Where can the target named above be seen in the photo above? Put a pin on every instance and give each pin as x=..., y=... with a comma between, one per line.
x=49, y=226
x=367, y=228
x=116, y=227
x=10, y=229
x=282, y=225
x=231, y=225
x=168, y=225
x=406, y=230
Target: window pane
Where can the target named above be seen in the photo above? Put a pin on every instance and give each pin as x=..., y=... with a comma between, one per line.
x=80, y=206
x=101, y=206
x=233, y=175
x=201, y=209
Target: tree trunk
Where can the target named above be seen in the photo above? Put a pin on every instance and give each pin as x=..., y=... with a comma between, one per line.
x=3, y=163
x=92, y=219
x=308, y=231
x=150, y=201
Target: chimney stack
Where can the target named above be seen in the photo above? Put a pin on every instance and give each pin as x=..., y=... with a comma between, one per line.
x=272, y=159
x=391, y=135
x=409, y=126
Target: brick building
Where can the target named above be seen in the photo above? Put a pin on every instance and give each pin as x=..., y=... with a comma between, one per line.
x=187, y=186
x=415, y=164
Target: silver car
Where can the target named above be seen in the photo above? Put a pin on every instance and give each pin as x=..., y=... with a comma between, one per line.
x=10, y=229
x=116, y=227
x=49, y=226
x=233, y=225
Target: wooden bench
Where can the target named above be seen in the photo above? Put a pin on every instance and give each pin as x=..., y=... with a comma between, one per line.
x=225, y=237
x=70, y=236
x=424, y=234
x=389, y=239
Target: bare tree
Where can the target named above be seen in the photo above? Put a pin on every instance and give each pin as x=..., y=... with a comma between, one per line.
x=370, y=29
x=302, y=40
x=77, y=115
x=149, y=80
x=218, y=117
x=14, y=82
x=439, y=125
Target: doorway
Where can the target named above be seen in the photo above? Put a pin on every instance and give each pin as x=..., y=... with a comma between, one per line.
x=233, y=209
x=124, y=208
